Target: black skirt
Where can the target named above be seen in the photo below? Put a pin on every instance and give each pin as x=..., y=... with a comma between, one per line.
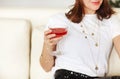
x=67, y=74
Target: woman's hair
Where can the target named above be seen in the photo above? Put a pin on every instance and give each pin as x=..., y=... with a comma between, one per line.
x=77, y=13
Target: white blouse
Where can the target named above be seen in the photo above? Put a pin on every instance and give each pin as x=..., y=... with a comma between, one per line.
x=80, y=54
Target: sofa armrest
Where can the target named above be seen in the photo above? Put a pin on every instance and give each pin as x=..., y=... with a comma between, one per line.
x=14, y=48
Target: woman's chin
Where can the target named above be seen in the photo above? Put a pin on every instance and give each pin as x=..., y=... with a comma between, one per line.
x=95, y=8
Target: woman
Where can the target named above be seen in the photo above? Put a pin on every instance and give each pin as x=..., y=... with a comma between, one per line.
x=84, y=51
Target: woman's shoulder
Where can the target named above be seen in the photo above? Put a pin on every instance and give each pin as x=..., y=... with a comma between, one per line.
x=59, y=18
x=113, y=20
x=115, y=17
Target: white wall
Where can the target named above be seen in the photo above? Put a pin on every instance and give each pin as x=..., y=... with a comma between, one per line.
x=37, y=3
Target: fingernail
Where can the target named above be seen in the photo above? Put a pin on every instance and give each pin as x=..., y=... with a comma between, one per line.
x=54, y=34
x=50, y=30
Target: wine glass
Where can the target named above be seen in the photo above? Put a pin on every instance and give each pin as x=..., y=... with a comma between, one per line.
x=58, y=30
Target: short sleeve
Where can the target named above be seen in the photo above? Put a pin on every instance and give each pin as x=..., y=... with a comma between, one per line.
x=57, y=19
x=115, y=25
x=50, y=22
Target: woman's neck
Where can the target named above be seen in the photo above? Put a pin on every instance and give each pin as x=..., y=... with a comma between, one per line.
x=89, y=11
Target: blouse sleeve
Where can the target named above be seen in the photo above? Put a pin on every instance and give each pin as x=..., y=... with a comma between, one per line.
x=51, y=21
x=54, y=20
x=115, y=25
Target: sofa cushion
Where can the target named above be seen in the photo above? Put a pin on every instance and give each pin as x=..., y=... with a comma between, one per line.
x=14, y=48
x=114, y=64
x=114, y=61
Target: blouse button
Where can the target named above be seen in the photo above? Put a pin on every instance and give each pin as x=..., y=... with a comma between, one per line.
x=92, y=34
x=86, y=37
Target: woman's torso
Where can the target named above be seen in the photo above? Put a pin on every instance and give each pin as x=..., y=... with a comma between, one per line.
x=80, y=54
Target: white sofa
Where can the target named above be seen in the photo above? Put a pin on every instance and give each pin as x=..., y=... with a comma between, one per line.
x=21, y=39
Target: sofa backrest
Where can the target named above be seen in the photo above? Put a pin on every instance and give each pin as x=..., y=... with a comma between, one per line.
x=114, y=61
x=37, y=16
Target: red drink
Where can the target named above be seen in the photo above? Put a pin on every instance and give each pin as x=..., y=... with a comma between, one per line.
x=59, y=31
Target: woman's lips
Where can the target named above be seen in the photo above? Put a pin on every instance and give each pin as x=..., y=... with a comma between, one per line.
x=96, y=3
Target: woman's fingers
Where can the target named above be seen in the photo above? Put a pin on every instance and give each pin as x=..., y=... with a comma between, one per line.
x=50, y=38
x=47, y=32
x=54, y=41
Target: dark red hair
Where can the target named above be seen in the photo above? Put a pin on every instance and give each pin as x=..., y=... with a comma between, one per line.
x=77, y=13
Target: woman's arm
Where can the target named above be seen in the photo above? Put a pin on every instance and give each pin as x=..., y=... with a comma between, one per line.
x=47, y=61
x=116, y=42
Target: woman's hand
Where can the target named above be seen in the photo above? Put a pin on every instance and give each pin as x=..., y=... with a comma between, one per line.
x=47, y=61
x=50, y=39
